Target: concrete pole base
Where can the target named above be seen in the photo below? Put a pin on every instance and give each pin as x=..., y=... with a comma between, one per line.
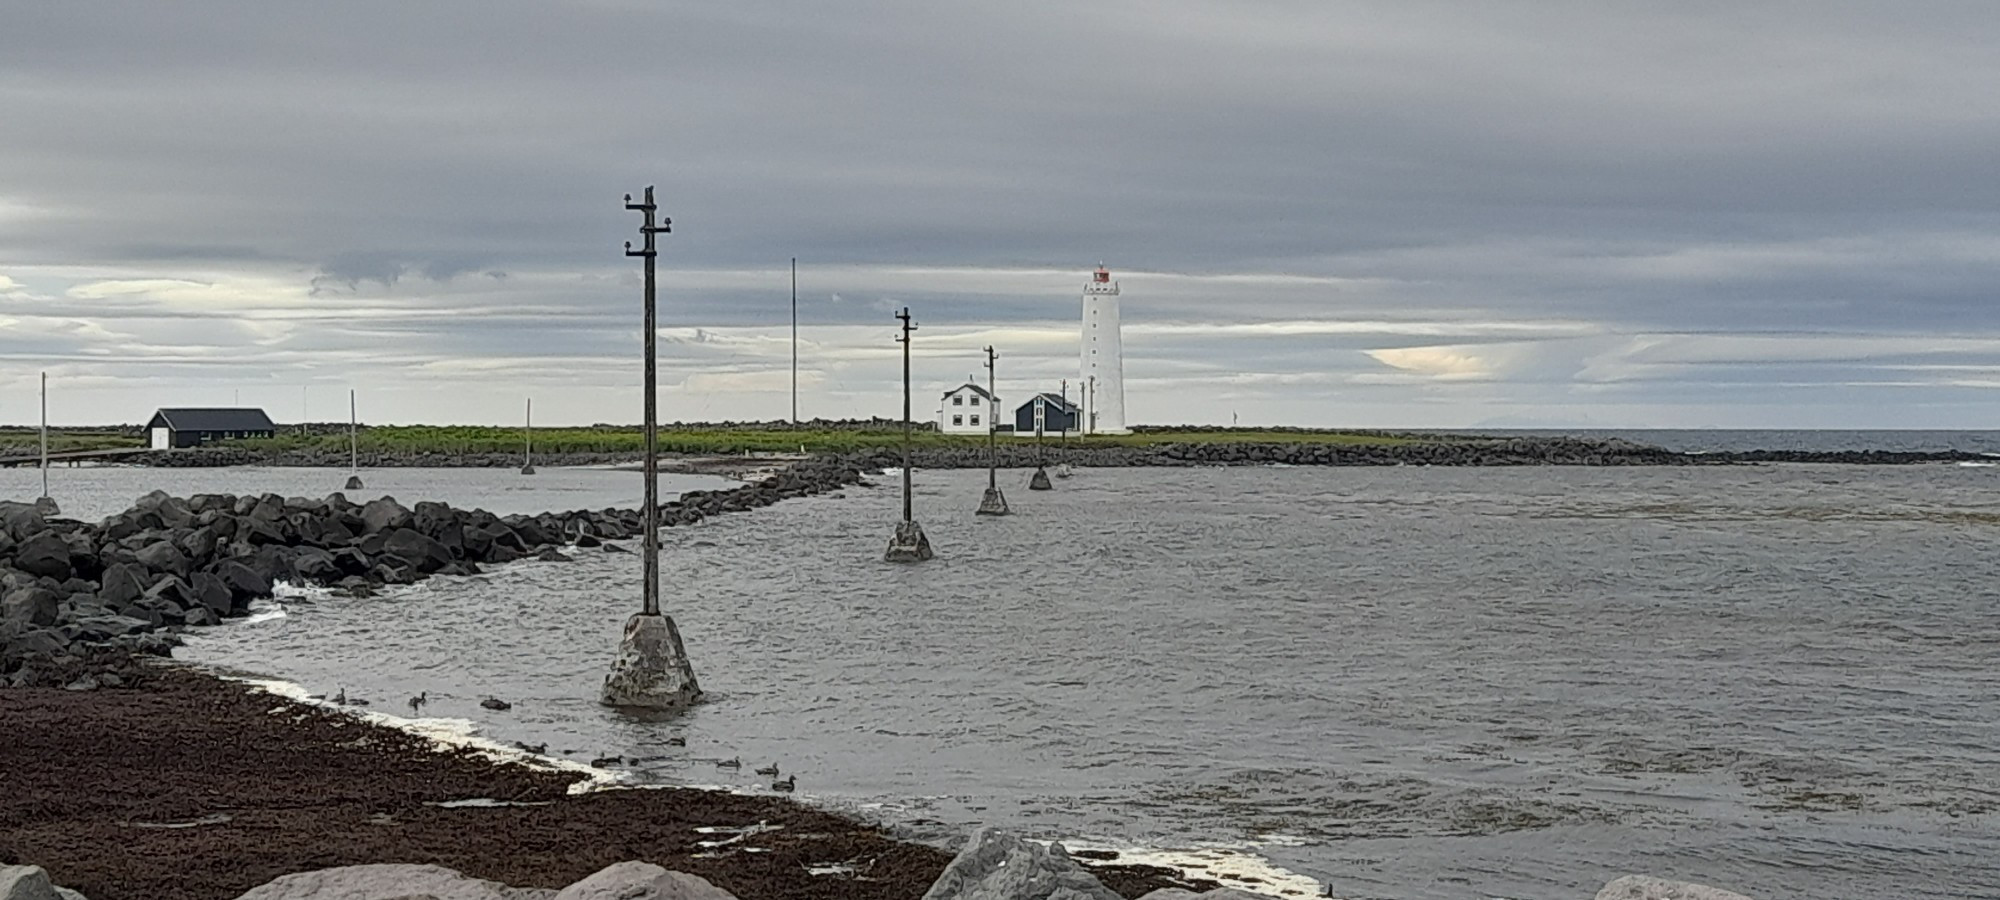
x=993, y=504
x=527, y=470
x=652, y=670
x=353, y=483
x=1040, y=480
x=47, y=506
x=909, y=544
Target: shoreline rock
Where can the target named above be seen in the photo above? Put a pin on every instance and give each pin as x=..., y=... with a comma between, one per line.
x=132, y=582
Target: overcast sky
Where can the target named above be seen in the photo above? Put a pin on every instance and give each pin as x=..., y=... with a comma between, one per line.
x=1385, y=214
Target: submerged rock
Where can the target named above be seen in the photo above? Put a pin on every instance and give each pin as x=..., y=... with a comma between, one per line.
x=1643, y=887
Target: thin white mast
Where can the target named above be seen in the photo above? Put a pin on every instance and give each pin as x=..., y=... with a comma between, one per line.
x=353, y=441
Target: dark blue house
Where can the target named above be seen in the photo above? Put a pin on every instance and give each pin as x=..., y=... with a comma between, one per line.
x=1054, y=414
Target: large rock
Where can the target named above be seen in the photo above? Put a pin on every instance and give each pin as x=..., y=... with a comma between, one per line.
x=45, y=554
x=21, y=520
x=642, y=881
x=384, y=514
x=199, y=544
x=399, y=881
x=998, y=866
x=31, y=883
x=315, y=565
x=29, y=607
x=244, y=583
x=423, y=553
x=163, y=557
x=124, y=583
x=213, y=593
x=1642, y=887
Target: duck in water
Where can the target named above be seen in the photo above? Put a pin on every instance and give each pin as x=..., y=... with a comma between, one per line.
x=340, y=698
x=496, y=703
x=734, y=762
x=785, y=786
x=418, y=701
x=771, y=770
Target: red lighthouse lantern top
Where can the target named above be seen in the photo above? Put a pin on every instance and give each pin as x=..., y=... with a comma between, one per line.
x=1103, y=275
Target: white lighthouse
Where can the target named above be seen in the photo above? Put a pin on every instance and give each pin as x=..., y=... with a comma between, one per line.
x=1103, y=357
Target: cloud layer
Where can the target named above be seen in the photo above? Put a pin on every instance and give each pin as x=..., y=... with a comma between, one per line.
x=1372, y=214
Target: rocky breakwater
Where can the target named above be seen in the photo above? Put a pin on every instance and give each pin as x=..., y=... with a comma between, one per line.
x=1508, y=452
x=78, y=602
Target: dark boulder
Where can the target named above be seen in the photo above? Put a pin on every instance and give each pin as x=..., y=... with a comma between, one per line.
x=273, y=564
x=199, y=544
x=101, y=628
x=163, y=557
x=424, y=553
x=244, y=583
x=124, y=583
x=384, y=514
x=45, y=554
x=212, y=593
x=28, y=607
x=172, y=590
x=315, y=565
x=21, y=520
x=351, y=561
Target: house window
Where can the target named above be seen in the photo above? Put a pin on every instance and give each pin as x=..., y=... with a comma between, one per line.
x=957, y=420
x=975, y=420
x=957, y=400
x=975, y=401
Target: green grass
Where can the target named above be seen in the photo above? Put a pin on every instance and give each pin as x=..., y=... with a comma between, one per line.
x=29, y=441
x=700, y=441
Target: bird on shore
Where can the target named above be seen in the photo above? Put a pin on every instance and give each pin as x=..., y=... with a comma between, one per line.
x=419, y=700
x=341, y=697
x=537, y=748
x=785, y=786
x=771, y=770
x=677, y=742
x=496, y=703
x=734, y=762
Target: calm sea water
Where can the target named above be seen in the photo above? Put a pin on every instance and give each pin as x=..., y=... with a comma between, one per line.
x=1409, y=682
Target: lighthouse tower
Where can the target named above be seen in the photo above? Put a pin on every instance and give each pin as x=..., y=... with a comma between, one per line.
x=1103, y=357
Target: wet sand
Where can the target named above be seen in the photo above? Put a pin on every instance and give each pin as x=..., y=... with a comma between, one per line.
x=187, y=787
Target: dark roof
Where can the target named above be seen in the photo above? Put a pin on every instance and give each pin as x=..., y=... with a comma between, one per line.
x=1054, y=400
x=975, y=389
x=250, y=419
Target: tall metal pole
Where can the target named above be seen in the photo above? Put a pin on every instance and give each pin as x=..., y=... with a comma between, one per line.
x=528, y=435
x=992, y=403
x=45, y=434
x=795, y=340
x=908, y=326
x=652, y=517
x=353, y=440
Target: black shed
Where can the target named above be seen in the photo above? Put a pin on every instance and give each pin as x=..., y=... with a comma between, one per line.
x=1056, y=414
x=175, y=428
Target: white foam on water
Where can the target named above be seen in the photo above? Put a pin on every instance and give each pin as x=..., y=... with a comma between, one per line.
x=1233, y=865
x=443, y=734
x=1977, y=465
x=264, y=611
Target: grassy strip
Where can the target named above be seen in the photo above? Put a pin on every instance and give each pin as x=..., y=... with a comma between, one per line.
x=696, y=441
x=14, y=443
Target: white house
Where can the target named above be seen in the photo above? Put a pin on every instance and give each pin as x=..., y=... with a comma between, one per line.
x=968, y=409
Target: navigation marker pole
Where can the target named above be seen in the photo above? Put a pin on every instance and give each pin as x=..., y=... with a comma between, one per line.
x=909, y=543
x=795, y=340
x=994, y=503
x=353, y=447
x=528, y=440
x=45, y=504
x=652, y=669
